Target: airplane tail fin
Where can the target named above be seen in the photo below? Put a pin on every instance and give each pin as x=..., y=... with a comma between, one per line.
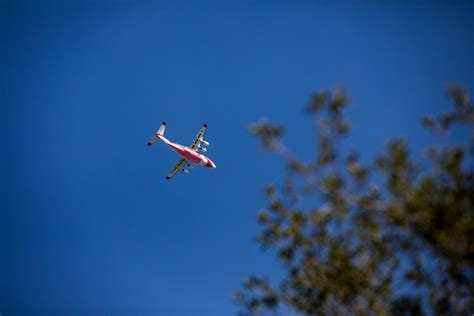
x=160, y=132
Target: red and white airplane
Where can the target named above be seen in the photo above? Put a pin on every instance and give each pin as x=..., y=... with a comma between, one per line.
x=188, y=154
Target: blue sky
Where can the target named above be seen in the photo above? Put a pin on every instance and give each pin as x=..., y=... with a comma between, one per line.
x=89, y=225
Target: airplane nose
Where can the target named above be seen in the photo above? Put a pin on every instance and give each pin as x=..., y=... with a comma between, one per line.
x=210, y=164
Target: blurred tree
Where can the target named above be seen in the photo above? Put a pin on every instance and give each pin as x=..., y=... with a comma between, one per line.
x=350, y=235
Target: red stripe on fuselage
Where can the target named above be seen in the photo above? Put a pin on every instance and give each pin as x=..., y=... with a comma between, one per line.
x=186, y=153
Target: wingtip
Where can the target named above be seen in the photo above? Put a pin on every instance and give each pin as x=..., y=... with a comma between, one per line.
x=205, y=125
x=167, y=178
x=164, y=123
x=149, y=144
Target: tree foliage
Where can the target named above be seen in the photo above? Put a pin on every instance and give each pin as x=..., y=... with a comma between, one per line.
x=391, y=237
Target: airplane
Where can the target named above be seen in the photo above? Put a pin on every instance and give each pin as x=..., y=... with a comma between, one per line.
x=189, y=154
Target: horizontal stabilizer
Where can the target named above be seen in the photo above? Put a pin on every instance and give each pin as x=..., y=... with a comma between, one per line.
x=160, y=132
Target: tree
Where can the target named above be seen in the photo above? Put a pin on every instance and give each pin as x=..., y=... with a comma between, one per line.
x=349, y=235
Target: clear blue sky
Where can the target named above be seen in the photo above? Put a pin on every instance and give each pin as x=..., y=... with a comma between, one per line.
x=88, y=224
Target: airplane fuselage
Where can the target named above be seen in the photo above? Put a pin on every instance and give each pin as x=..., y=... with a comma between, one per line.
x=189, y=154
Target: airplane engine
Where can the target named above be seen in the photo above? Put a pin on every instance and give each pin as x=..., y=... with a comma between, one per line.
x=203, y=149
x=186, y=171
x=204, y=142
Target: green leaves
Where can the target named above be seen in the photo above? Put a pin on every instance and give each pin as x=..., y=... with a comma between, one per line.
x=318, y=101
x=397, y=167
x=463, y=112
x=341, y=229
x=266, y=130
x=334, y=102
x=332, y=183
x=269, y=135
x=266, y=296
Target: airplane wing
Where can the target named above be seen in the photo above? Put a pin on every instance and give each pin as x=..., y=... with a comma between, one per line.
x=179, y=165
x=199, y=138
